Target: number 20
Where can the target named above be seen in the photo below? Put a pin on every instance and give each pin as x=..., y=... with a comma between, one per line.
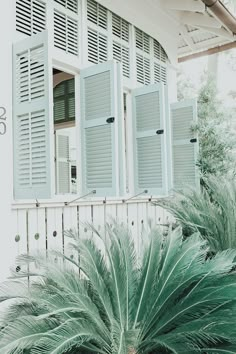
x=3, y=127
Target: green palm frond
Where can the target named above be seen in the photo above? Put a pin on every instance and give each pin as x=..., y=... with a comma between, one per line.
x=211, y=211
x=170, y=299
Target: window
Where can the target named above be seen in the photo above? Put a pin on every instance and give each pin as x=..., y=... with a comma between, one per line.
x=64, y=101
x=65, y=161
x=118, y=126
x=65, y=133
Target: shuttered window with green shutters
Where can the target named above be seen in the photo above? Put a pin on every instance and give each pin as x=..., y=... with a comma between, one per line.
x=32, y=118
x=184, y=144
x=150, y=139
x=100, y=124
x=64, y=101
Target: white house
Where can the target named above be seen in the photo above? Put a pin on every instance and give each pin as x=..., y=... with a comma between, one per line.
x=89, y=123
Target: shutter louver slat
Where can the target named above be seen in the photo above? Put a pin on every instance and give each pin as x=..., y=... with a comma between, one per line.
x=148, y=112
x=99, y=157
x=72, y=36
x=59, y=110
x=63, y=163
x=159, y=52
x=142, y=41
x=37, y=73
x=97, y=90
x=23, y=151
x=71, y=108
x=120, y=28
x=30, y=16
x=121, y=37
x=71, y=5
x=22, y=79
x=160, y=74
x=61, y=2
x=184, y=153
x=31, y=118
x=38, y=153
x=65, y=33
x=121, y=54
x=149, y=173
x=143, y=69
x=150, y=164
x=97, y=14
x=97, y=47
x=98, y=95
x=38, y=17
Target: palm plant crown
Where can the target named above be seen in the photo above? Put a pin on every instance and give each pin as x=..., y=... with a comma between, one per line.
x=210, y=211
x=168, y=299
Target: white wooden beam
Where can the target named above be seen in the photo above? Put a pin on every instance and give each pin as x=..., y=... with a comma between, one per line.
x=187, y=37
x=195, y=19
x=185, y=5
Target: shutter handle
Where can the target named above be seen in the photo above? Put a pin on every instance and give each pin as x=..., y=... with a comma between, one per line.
x=110, y=120
x=160, y=131
x=194, y=140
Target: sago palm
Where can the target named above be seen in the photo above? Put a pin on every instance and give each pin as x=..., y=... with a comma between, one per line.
x=169, y=299
x=211, y=211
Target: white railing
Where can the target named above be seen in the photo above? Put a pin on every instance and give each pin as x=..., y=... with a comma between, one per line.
x=43, y=228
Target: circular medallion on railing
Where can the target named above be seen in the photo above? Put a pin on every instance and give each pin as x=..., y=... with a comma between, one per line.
x=54, y=234
x=18, y=269
x=17, y=238
x=36, y=236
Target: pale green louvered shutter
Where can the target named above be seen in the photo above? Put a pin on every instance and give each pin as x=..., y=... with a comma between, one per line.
x=32, y=117
x=150, y=139
x=100, y=122
x=184, y=144
x=63, y=165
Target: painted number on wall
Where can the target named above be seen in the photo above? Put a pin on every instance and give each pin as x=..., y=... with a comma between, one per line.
x=3, y=118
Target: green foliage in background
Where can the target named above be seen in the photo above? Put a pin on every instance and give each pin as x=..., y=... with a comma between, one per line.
x=216, y=139
x=217, y=135
x=172, y=299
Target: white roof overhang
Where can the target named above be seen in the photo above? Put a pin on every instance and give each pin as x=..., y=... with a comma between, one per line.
x=202, y=29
